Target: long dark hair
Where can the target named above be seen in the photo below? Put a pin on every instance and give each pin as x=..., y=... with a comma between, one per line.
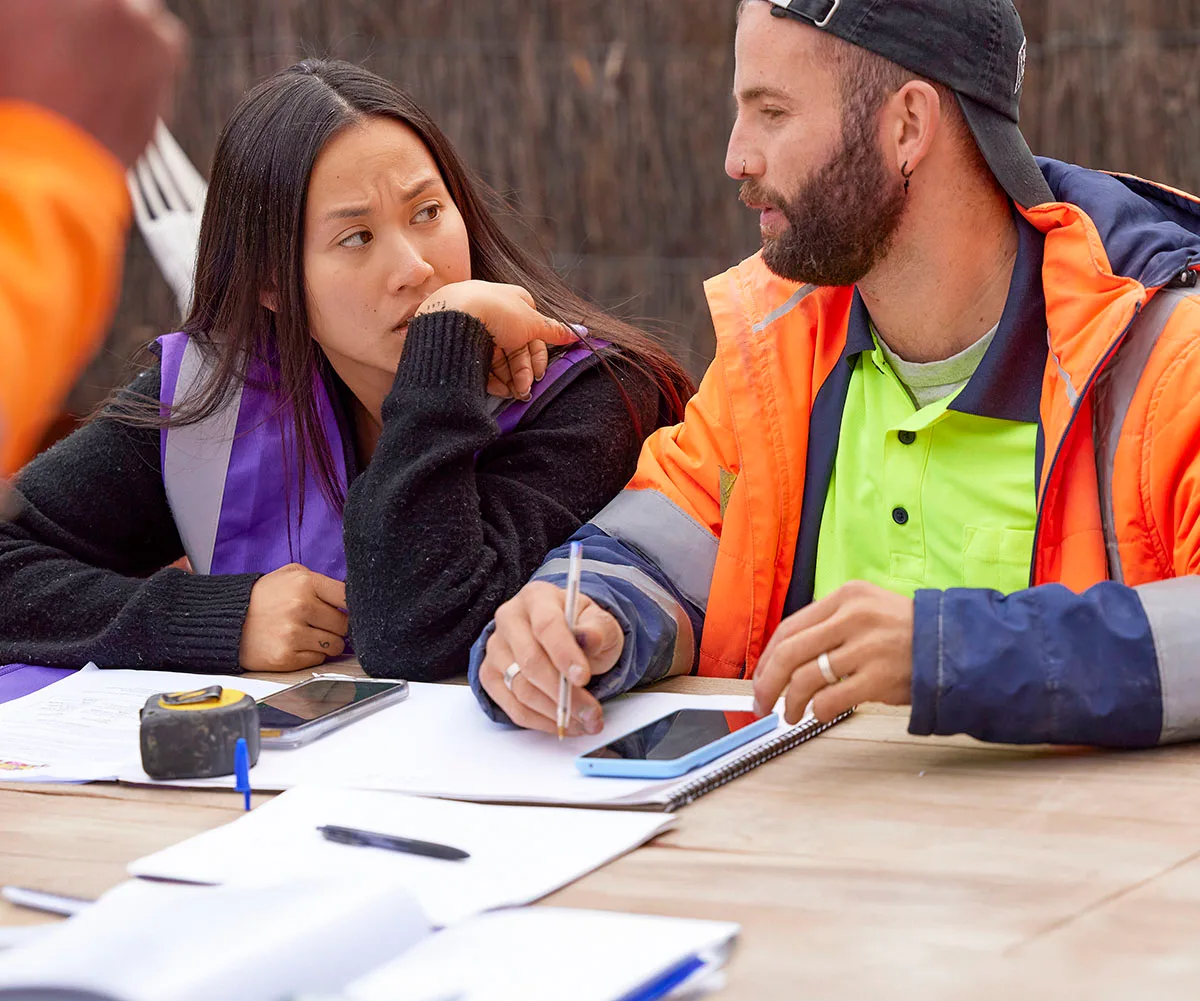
x=252, y=238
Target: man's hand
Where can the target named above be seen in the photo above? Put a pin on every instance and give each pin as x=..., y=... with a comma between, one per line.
x=532, y=632
x=107, y=65
x=865, y=631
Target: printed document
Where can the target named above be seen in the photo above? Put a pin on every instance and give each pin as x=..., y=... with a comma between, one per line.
x=84, y=728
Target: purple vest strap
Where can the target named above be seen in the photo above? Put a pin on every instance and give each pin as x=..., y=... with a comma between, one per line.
x=24, y=679
x=258, y=528
x=512, y=414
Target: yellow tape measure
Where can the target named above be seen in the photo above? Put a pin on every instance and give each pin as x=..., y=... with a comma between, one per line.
x=192, y=735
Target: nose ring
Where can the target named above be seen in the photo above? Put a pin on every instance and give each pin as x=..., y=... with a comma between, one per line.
x=743, y=168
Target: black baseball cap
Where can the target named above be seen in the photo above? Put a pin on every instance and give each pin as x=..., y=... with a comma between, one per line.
x=974, y=47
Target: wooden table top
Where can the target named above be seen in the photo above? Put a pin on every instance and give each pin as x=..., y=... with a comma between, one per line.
x=866, y=863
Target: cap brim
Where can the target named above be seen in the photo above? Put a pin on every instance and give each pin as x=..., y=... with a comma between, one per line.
x=1007, y=153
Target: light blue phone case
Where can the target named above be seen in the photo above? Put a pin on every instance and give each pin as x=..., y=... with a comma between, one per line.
x=633, y=768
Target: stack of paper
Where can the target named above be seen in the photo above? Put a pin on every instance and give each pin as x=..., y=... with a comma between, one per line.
x=438, y=743
x=85, y=727
x=518, y=854
x=344, y=940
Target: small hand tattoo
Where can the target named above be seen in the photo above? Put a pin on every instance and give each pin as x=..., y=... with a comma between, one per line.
x=434, y=307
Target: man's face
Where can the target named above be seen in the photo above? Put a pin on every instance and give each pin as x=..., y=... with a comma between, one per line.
x=829, y=206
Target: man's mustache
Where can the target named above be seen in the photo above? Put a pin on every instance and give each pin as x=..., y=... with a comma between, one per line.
x=753, y=193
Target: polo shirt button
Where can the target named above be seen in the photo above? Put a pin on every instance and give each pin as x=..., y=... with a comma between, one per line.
x=899, y=516
x=907, y=437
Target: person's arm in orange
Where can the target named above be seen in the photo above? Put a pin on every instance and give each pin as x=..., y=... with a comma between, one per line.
x=63, y=216
x=81, y=85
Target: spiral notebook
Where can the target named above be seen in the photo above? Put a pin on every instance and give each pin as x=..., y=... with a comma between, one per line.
x=680, y=792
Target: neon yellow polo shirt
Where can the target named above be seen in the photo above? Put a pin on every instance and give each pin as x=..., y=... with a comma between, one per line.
x=925, y=498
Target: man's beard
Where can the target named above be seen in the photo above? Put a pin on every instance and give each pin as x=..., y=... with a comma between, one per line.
x=842, y=222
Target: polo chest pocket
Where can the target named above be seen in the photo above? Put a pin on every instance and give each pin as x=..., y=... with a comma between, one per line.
x=997, y=558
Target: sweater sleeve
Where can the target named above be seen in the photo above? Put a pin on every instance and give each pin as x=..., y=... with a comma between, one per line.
x=63, y=215
x=450, y=518
x=82, y=558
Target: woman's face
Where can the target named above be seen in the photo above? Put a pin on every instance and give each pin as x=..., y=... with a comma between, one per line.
x=381, y=234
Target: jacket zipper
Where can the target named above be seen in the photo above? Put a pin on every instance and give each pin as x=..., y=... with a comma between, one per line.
x=1087, y=388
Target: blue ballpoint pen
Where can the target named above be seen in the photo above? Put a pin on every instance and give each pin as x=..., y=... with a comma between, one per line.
x=241, y=768
x=664, y=983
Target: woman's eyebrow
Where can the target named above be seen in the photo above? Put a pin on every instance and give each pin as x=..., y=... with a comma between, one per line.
x=418, y=188
x=357, y=211
x=346, y=212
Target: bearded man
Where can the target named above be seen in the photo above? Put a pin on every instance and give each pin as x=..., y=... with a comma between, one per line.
x=948, y=454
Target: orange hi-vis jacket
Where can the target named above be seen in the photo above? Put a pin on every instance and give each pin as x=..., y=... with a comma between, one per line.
x=64, y=211
x=697, y=556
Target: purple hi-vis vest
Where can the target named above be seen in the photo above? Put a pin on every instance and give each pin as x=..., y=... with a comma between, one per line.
x=232, y=481
x=233, y=485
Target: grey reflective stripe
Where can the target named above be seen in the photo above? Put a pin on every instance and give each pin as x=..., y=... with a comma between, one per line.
x=195, y=464
x=793, y=301
x=685, y=637
x=1072, y=392
x=1115, y=388
x=1173, y=608
x=660, y=530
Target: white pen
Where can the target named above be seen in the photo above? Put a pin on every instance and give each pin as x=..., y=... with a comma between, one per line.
x=39, y=900
x=574, y=569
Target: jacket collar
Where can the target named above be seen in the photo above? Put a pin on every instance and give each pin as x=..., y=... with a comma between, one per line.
x=1111, y=242
x=1008, y=383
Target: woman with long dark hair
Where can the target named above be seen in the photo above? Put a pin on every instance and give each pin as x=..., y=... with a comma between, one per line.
x=374, y=386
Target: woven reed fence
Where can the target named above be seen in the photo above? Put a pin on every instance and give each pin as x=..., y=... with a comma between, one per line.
x=604, y=123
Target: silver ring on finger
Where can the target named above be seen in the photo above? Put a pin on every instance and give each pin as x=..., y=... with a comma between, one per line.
x=826, y=670
x=510, y=674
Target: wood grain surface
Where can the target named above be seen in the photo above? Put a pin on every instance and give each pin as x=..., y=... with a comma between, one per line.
x=867, y=863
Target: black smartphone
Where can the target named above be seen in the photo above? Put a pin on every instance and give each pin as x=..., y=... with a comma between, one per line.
x=296, y=715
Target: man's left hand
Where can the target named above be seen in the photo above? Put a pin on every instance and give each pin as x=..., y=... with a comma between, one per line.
x=864, y=630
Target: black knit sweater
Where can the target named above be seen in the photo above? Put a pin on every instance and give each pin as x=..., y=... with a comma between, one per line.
x=447, y=521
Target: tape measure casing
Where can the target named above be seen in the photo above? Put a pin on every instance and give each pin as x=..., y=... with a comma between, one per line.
x=191, y=735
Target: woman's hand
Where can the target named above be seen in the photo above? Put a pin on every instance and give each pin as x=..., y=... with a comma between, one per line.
x=521, y=334
x=295, y=620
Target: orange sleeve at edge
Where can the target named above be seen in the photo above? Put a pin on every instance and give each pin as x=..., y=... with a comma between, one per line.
x=64, y=212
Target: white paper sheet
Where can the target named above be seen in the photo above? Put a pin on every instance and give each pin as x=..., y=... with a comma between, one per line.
x=164, y=942
x=12, y=936
x=544, y=954
x=85, y=727
x=518, y=854
x=438, y=743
